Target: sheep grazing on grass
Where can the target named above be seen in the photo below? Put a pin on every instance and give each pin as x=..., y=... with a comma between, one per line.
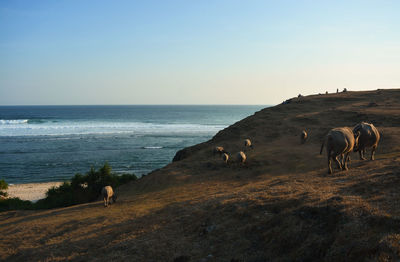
x=303, y=137
x=218, y=150
x=247, y=143
x=339, y=143
x=241, y=157
x=369, y=138
x=225, y=157
x=107, y=193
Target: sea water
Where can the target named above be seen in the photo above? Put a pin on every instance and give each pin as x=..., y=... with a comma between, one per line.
x=52, y=143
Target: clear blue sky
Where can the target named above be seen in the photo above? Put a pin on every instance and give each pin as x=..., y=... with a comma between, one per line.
x=194, y=52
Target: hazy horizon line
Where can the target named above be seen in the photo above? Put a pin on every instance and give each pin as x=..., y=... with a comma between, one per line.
x=135, y=105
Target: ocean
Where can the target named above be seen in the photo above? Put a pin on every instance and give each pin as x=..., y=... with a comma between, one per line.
x=52, y=143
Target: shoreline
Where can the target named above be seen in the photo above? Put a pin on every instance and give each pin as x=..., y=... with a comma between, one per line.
x=30, y=191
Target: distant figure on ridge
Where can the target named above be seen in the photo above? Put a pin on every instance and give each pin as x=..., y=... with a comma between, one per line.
x=337, y=90
x=344, y=89
x=107, y=193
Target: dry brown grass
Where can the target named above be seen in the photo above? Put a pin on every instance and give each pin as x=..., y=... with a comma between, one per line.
x=280, y=206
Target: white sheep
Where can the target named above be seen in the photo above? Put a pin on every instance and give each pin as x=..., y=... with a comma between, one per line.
x=247, y=143
x=225, y=157
x=107, y=193
x=218, y=150
x=241, y=157
x=303, y=136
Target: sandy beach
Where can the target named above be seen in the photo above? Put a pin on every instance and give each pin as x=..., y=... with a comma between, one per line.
x=30, y=191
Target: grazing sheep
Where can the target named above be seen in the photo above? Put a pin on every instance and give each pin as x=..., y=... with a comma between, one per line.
x=241, y=156
x=369, y=138
x=303, y=137
x=247, y=143
x=339, y=142
x=225, y=157
x=218, y=150
x=108, y=193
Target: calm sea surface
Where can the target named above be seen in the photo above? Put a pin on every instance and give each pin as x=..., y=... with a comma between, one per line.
x=52, y=143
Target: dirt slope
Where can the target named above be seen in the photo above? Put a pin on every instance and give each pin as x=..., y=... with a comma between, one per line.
x=281, y=206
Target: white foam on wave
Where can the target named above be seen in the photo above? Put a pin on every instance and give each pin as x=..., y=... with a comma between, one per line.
x=152, y=147
x=92, y=127
x=13, y=121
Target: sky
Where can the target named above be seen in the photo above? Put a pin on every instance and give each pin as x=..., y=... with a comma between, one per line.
x=194, y=52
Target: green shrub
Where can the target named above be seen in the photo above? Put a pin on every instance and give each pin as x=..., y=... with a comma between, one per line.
x=61, y=196
x=3, y=184
x=15, y=203
x=11, y=203
x=125, y=178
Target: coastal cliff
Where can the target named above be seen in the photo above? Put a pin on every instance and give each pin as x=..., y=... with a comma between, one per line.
x=280, y=206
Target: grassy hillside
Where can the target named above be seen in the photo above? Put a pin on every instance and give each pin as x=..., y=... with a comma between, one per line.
x=281, y=206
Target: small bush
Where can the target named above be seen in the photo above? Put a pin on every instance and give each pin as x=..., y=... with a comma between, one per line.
x=11, y=203
x=15, y=203
x=125, y=178
x=61, y=196
x=3, y=184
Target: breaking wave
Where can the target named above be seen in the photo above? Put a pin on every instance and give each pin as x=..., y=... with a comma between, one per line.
x=59, y=128
x=13, y=121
